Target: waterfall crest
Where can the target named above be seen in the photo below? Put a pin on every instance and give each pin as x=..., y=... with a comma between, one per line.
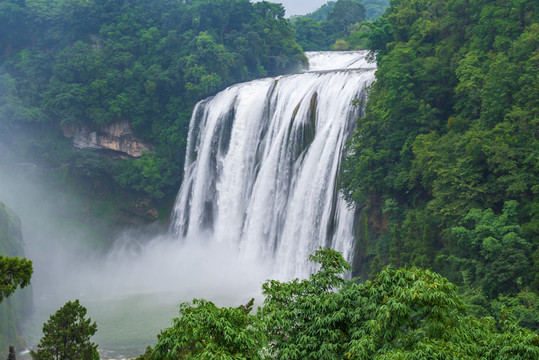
x=262, y=162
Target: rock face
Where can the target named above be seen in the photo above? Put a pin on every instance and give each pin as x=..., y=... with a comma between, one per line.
x=118, y=137
x=13, y=307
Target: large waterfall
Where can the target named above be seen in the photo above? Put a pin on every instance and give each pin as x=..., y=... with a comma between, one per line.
x=262, y=162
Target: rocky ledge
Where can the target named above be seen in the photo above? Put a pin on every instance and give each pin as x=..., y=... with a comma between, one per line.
x=117, y=136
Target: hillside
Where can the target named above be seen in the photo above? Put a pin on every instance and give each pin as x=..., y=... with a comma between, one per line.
x=122, y=79
x=444, y=164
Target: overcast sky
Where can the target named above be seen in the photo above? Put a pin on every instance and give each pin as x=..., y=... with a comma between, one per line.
x=300, y=7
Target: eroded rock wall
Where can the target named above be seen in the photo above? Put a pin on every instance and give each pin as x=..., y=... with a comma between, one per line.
x=117, y=136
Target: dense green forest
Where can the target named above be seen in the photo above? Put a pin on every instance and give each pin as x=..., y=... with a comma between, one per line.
x=338, y=25
x=444, y=166
x=91, y=63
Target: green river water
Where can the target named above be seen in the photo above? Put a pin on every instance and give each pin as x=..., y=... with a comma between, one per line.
x=125, y=325
x=131, y=292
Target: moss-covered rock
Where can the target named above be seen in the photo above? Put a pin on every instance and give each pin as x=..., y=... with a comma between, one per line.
x=12, y=308
x=10, y=232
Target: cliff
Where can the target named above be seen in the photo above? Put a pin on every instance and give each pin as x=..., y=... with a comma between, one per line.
x=117, y=136
x=12, y=308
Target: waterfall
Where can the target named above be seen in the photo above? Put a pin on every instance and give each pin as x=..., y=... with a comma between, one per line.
x=262, y=162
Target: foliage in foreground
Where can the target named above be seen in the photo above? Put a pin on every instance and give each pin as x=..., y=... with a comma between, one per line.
x=14, y=272
x=205, y=331
x=66, y=336
x=400, y=314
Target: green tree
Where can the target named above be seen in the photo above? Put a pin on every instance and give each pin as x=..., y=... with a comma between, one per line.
x=310, y=34
x=400, y=314
x=374, y=8
x=66, y=335
x=498, y=256
x=147, y=63
x=321, y=14
x=13, y=26
x=307, y=319
x=345, y=14
x=205, y=331
x=14, y=272
x=447, y=130
x=207, y=66
x=149, y=174
x=406, y=313
x=342, y=26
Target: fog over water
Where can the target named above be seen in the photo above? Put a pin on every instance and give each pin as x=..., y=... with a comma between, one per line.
x=131, y=291
x=252, y=207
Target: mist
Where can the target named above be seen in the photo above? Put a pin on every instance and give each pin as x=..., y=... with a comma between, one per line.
x=132, y=288
x=161, y=265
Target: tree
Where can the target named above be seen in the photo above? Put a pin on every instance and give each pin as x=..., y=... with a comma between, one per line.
x=147, y=63
x=66, y=336
x=14, y=272
x=493, y=249
x=321, y=14
x=310, y=34
x=345, y=14
x=400, y=314
x=447, y=130
x=307, y=319
x=204, y=331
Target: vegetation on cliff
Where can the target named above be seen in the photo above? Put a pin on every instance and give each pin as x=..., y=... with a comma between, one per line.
x=405, y=313
x=444, y=164
x=338, y=25
x=95, y=62
x=15, y=272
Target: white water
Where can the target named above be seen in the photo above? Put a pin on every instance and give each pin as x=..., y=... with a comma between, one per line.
x=257, y=188
x=132, y=291
x=255, y=176
x=337, y=60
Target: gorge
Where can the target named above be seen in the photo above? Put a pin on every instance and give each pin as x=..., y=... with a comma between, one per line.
x=260, y=185
x=176, y=158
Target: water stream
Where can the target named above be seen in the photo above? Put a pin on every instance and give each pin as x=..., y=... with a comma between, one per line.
x=263, y=159
x=259, y=195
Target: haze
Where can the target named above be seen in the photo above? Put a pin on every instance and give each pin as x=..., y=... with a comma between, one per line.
x=300, y=7
x=131, y=290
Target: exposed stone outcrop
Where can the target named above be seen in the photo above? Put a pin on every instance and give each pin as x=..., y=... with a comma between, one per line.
x=117, y=136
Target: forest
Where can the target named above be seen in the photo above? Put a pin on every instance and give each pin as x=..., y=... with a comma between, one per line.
x=445, y=162
x=338, y=25
x=442, y=169
x=91, y=63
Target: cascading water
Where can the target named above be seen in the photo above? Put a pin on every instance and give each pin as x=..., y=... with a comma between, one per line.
x=260, y=174
x=262, y=162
